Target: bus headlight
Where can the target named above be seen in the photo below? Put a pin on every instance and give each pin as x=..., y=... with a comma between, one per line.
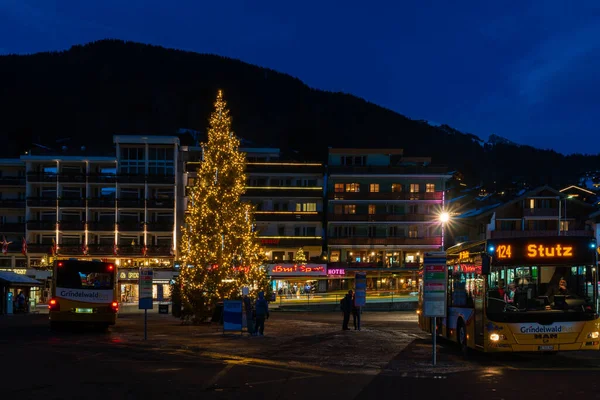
x=494, y=337
x=593, y=335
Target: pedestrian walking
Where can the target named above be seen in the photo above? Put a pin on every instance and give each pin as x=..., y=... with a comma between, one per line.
x=261, y=309
x=355, y=313
x=346, y=306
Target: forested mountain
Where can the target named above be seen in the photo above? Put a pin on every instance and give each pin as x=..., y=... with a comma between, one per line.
x=91, y=92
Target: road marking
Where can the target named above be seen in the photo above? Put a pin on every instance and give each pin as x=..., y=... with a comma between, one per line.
x=511, y=367
x=213, y=381
x=287, y=365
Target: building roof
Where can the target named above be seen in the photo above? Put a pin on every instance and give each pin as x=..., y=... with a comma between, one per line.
x=365, y=151
x=15, y=279
x=577, y=188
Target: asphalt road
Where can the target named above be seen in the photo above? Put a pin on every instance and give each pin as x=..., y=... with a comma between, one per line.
x=38, y=363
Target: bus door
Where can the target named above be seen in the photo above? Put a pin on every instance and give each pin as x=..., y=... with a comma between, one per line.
x=479, y=300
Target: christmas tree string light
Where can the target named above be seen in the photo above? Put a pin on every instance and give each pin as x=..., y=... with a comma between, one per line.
x=219, y=243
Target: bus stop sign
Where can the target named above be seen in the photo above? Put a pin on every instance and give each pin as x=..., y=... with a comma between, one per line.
x=435, y=284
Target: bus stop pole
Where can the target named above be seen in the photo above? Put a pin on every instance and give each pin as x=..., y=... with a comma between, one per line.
x=434, y=333
x=145, y=324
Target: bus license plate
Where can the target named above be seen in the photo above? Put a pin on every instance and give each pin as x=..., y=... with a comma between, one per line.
x=84, y=310
x=545, y=348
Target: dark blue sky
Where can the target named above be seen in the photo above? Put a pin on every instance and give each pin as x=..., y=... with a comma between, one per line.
x=525, y=70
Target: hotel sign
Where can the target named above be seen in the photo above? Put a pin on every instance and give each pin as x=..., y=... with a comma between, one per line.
x=336, y=271
x=297, y=270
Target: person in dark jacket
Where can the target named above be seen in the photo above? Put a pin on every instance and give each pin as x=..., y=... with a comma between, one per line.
x=355, y=313
x=346, y=306
x=262, y=311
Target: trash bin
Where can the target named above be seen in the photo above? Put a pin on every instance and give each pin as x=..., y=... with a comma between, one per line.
x=163, y=308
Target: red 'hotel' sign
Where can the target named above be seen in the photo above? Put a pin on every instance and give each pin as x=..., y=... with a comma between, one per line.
x=297, y=270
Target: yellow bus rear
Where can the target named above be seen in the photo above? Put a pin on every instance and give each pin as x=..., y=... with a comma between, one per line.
x=83, y=293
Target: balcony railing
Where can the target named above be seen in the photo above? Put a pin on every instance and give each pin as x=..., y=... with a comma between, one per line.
x=285, y=216
x=10, y=203
x=160, y=203
x=289, y=191
x=382, y=217
x=71, y=202
x=290, y=168
x=41, y=177
x=131, y=178
x=15, y=227
x=296, y=242
x=72, y=178
x=102, y=178
x=517, y=234
x=160, y=179
x=387, y=241
x=404, y=196
x=71, y=225
x=39, y=248
x=160, y=226
x=41, y=225
x=41, y=201
x=101, y=202
x=101, y=226
x=131, y=226
x=12, y=181
x=385, y=170
x=131, y=203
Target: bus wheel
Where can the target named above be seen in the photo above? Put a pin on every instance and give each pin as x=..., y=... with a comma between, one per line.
x=462, y=338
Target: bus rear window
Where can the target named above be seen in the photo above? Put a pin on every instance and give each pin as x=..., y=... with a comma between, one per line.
x=76, y=277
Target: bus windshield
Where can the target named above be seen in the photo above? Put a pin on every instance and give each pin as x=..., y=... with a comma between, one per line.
x=541, y=293
x=84, y=275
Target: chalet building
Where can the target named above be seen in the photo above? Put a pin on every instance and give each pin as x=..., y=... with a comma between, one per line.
x=383, y=214
x=543, y=211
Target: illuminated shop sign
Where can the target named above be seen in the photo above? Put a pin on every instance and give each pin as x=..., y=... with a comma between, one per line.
x=297, y=270
x=336, y=271
x=129, y=274
x=20, y=271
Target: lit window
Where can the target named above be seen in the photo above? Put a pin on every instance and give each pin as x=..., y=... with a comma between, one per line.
x=531, y=203
x=430, y=187
x=414, y=188
x=372, y=209
x=306, y=206
x=349, y=209
x=396, y=187
x=339, y=187
x=413, y=232
x=352, y=187
x=374, y=187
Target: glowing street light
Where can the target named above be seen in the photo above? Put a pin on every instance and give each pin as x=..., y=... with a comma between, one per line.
x=444, y=217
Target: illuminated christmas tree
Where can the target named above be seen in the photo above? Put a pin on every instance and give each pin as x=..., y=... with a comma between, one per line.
x=300, y=257
x=220, y=250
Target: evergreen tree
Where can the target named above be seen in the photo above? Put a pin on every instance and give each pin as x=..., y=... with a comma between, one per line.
x=300, y=257
x=219, y=242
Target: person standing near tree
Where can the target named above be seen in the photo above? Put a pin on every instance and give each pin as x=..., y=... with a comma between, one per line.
x=346, y=306
x=262, y=312
x=355, y=313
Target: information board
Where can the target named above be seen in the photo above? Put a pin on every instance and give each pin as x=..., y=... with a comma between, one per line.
x=360, y=289
x=435, y=284
x=232, y=315
x=145, y=287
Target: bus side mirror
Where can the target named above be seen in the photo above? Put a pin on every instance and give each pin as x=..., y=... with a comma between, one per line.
x=485, y=264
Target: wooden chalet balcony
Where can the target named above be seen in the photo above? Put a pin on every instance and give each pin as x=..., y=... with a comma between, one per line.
x=541, y=212
x=518, y=234
x=385, y=241
x=382, y=217
x=384, y=196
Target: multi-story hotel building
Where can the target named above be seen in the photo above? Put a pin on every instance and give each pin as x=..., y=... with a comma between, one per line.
x=383, y=214
x=118, y=207
x=12, y=211
x=288, y=196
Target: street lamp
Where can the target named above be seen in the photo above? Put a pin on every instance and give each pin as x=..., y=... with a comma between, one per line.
x=444, y=217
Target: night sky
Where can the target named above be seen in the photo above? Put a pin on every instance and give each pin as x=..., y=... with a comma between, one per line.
x=527, y=72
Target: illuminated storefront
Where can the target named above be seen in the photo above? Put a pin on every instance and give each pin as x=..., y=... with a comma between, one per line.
x=129, y=284
x=295, y=280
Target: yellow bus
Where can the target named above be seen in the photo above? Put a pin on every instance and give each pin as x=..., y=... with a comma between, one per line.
x=533, y=294
x=83, y=292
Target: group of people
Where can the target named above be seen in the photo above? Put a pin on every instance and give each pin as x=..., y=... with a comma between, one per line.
x=556, y=289
x=256, y=314
x=348, y=305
